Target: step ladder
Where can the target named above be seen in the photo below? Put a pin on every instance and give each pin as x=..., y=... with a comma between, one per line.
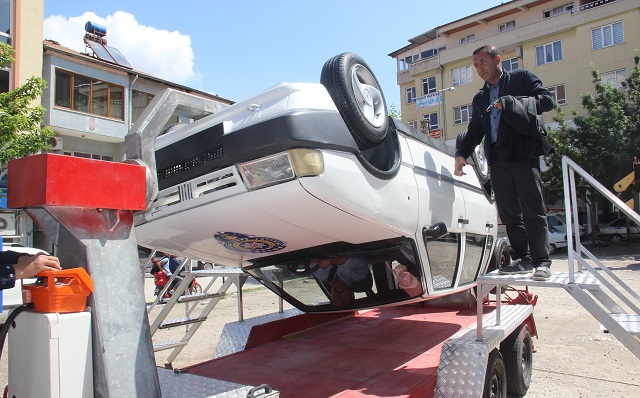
x=192, y=319
x=599, y=290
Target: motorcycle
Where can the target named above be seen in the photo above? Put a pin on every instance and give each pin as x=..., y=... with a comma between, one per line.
x=160, y=280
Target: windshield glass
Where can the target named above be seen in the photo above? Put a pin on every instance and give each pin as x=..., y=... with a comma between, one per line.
x=342, y=276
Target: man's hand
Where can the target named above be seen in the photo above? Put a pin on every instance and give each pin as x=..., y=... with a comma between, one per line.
x=460, y=162
x=30, y=266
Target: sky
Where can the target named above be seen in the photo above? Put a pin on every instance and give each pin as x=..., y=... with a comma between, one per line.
x=236, y=49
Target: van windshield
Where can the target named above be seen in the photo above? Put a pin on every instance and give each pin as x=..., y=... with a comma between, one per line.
x=344, y=277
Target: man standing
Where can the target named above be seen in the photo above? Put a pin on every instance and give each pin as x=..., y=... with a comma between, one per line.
x=513, y=151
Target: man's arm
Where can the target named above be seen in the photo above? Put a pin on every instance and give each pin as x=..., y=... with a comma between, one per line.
x=544, y=100
x=470, y=139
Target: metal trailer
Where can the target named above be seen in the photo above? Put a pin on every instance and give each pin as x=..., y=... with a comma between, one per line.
x=408, y=351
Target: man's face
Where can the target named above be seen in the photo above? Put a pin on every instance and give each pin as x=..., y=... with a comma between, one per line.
x=341, y=293
x=489, y=69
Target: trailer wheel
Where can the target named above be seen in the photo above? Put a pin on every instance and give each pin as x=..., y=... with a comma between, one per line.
x=358, y=97
x=495, y=380
x=517, y=351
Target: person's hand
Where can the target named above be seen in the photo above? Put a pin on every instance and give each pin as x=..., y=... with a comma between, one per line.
x=460, y=162
x=30, y=266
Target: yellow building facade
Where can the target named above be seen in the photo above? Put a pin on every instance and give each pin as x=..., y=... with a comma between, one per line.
x=21, y=27
x=558, y=40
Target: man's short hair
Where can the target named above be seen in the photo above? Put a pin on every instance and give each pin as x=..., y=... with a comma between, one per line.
x=489, y=49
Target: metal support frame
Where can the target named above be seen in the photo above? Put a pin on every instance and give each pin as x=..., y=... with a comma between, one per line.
x=103, y=242
x=140, y=141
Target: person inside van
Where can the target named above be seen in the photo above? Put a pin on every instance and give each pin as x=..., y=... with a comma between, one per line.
x=344, y=275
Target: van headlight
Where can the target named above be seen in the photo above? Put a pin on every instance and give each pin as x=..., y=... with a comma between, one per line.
x=281, y=167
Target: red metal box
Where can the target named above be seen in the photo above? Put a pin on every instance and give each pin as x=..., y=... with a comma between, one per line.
x=59, y=180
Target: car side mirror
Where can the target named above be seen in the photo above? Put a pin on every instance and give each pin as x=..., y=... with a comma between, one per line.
x=435, y=231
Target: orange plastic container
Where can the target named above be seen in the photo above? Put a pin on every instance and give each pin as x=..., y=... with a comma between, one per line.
x=60, y=291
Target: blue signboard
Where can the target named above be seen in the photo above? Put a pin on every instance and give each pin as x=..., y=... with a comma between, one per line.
x=428, y=100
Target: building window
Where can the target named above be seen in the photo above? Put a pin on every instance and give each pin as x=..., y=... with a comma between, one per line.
x=510, y=64
x=411, y=95
x=507, y=26
x=615, y=78
x=429, y=85
x=558, y=10
x=607, y=36
x=550, y=52
x=467, y=39
x=461, y=114
x=430, y=121
x=432, y=52
x=5, y=37
x=412, y=124
x=462, y=75
x=406, y=62
x=84, y=94
x=557, y=92
x=5, y=21
x=139, y=101
x=89, y=156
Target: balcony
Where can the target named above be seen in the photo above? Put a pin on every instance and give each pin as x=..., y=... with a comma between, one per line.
x=591, y=5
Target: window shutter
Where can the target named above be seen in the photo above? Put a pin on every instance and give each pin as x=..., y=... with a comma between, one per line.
x=596, y=38
x=618, y=33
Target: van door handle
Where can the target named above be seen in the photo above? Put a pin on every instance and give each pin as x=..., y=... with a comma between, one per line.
x=463, y=221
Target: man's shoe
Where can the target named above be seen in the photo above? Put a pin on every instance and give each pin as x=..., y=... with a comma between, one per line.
x=542, y=273
x=517, y=267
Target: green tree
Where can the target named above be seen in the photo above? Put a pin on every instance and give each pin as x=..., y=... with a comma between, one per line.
x=394, y=112
x=600, y=140
x=21, y=133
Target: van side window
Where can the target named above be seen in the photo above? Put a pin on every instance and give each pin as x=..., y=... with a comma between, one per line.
x=444, y=256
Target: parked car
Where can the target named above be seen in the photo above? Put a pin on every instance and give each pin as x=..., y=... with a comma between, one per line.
x=558, y=221
x=12, y=298
x=303, y=172
x=616, y=230
x=557, y=239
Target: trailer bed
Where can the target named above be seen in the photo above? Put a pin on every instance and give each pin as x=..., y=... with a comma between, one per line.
x=383, y=352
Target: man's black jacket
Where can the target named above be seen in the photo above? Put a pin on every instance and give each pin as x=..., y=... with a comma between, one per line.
x=519, y=144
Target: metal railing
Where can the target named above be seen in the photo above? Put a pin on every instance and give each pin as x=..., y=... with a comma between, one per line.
x=575, y=259
x=589, y=6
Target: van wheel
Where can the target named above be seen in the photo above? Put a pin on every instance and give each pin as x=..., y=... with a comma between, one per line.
x=495, y=380
x=479, y=160
x=517, y=351
x=501, y=256
x=358, y=97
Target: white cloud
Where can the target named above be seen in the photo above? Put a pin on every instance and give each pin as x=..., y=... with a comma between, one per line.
x=158, y=52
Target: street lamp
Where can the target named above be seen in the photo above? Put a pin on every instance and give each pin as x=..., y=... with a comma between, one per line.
x=441, y=107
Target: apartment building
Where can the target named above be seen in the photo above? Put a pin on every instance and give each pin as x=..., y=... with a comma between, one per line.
x=21, y=27
x=91, y=100
x=558, y=40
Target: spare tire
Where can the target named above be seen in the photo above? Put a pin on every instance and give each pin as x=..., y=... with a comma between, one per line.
x=358, y=97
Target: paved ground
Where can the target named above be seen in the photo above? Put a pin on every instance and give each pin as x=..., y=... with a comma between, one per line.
x=573, y=359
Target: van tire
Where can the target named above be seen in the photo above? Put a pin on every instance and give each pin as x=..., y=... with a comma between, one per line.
x=358, y=97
